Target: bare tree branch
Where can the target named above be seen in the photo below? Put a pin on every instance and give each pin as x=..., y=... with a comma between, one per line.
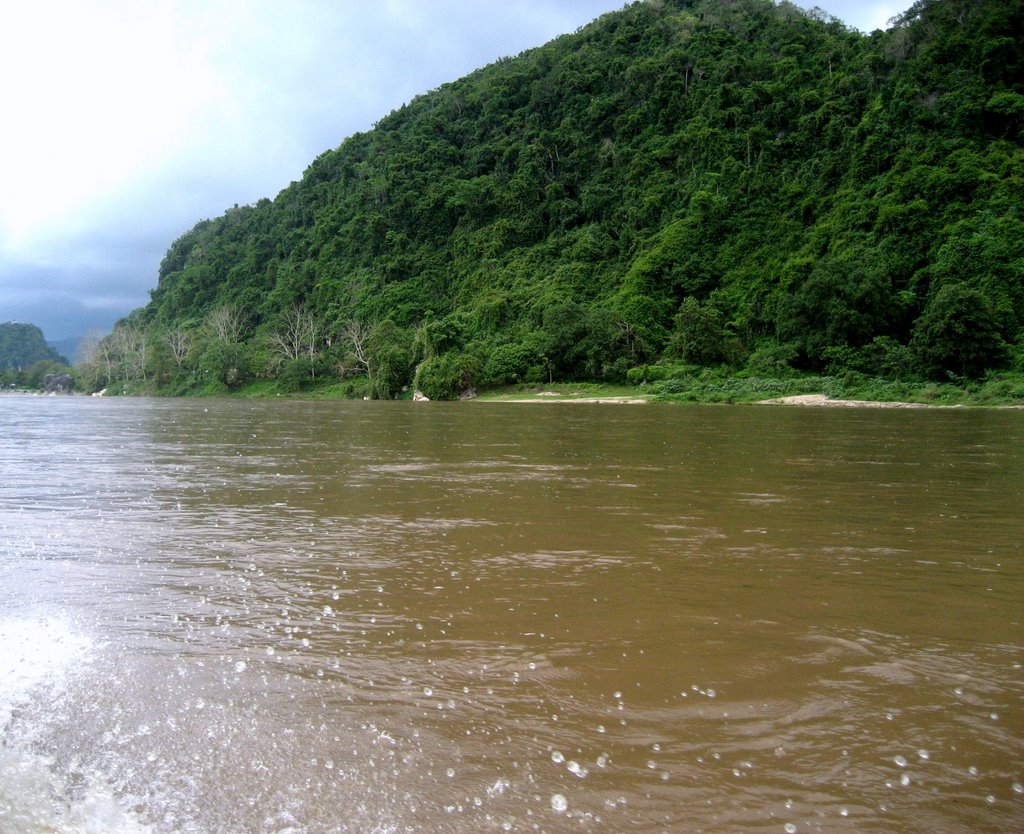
x=180, y=342
x=225, y=324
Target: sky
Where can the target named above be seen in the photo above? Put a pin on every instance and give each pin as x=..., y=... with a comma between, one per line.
x=125, y=122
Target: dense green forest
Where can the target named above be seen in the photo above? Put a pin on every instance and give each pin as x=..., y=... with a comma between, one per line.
x=25, y=356
x=680, y=185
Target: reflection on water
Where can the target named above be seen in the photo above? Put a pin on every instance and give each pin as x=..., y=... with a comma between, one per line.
x=393, y=617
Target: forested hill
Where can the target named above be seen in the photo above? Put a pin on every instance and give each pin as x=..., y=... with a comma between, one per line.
x=23, y=345
x=699, y=181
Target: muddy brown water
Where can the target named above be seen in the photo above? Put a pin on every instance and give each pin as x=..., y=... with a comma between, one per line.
x=289, y=617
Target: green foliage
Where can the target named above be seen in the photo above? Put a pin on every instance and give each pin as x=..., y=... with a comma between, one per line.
x=231, y=365
x=699, y=336
x=35, y=376
x=390, y=360
x=700, y=181
x=447, y=376
x=22, y=345
x=772, y=359
x=957, y=336
x=507, y=364
x=299, y=374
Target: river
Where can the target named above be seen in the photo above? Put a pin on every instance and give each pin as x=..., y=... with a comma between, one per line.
x=224, y=617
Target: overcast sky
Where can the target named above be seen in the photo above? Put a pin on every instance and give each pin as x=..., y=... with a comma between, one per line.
x=127, y=121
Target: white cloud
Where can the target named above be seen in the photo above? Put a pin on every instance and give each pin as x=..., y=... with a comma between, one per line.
x=99, y=94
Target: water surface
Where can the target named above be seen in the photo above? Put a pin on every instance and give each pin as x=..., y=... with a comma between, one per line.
x=222, y=616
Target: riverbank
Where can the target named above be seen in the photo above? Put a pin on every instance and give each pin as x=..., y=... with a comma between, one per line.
x=815, y=391
x=700, y=386
x=821, y=401
x=586, y=393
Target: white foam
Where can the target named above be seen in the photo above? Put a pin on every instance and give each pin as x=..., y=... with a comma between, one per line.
x=35, y=653
x=33, y=800
x=37, y=656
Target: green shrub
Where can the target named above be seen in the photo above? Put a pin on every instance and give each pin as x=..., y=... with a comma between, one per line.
x=228, y=364
x=507, y=364
x=445, y=377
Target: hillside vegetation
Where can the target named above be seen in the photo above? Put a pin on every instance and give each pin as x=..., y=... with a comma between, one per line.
x=680, y=185
x=25, y=356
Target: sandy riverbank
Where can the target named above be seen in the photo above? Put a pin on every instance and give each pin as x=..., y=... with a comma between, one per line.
x=555, y=397
x=827, y=402
x=811, y=400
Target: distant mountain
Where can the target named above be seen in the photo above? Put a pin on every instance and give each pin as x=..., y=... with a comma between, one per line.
x=22, y=345
x=699, y=181
x=67, y=347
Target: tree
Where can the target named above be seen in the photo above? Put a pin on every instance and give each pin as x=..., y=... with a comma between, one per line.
x=957, y=334
x=230, y=364
x=699, y=336
x=225, y=324
x=128, y=349
x=389, y=349
x=179, y=341
x=508, y=363
x=355, y=337
x=298, y=335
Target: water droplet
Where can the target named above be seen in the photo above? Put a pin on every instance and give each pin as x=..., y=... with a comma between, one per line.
x=559, y=803
x=557, y=757
x=924, y=755
x=900, y=761
x=905, y=779
x=428, y=691
x=1017, y=787
x=577, y=769
x=240, y=666
x=789, y=828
